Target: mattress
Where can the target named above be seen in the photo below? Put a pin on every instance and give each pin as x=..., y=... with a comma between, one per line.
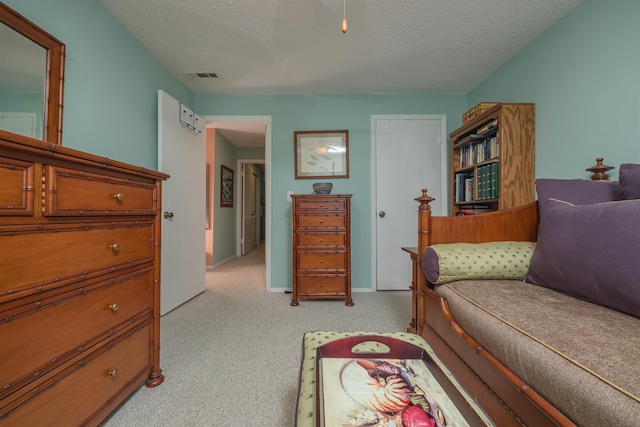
x=581, y=357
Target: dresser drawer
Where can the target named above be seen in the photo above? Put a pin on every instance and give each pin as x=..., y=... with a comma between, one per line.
x=334, y=261
x=95, y=383
x=321, y=239
x=321, y=284
x=36, y=259
x=324, y=203
x=16, y=187
x=68, y=192
x=319, y=222
x=32, y=342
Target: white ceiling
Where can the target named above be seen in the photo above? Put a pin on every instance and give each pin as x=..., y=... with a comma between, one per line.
x=296, y=47
x=241, y=134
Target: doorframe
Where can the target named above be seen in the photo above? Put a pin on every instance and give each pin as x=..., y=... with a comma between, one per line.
x=267, y=191
x=443, y=168
x=240, y=192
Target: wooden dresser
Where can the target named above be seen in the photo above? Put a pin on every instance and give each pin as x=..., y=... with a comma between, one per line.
x=79, y=283
x=321, y=229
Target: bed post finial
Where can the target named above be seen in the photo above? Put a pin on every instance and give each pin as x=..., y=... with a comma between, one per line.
x=424, y=200
x=599, y=170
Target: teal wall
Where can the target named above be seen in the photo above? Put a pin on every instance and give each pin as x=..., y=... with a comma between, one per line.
x=583, y=74
x=111, y=80
x=352, y=112
x=24, y=102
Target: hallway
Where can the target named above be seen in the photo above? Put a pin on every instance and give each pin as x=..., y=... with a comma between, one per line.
x=247, y=272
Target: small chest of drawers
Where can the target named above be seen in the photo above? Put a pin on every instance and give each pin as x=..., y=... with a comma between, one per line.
x=321, y=245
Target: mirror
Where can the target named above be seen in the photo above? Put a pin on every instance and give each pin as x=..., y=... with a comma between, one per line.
x=31, y=79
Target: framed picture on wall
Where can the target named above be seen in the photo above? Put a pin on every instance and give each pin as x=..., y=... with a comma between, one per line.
x=226, y=187
x=321, y=154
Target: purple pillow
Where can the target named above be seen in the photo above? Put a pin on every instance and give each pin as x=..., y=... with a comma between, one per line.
x=630, y=181
x=590, y=251
x=577, y=191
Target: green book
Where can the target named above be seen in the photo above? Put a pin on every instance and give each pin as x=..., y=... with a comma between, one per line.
x=494, y=180
x=482, y=189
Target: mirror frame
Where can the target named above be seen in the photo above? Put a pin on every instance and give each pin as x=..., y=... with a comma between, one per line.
x=54, y=85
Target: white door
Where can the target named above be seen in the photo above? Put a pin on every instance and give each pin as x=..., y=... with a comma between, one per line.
x=256, y=210
x=249, y=208
x=181, y=154
x=410, y=154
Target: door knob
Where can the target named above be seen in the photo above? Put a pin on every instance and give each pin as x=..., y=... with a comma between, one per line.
x=168, y=215
x=381, y=214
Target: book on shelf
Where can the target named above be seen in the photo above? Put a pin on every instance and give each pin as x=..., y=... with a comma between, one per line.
x=475, y=206
x=463, y=186
x=482, y=185
x=468, y=139
x=487, y=181
x=479, y=151
x=489, y=127
x=474, y=211
x=495, y=175
x=468, y=189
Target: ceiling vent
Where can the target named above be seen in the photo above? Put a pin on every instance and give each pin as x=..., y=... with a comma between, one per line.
x=204, y=75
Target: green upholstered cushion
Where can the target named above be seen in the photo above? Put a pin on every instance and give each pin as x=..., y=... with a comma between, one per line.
x=446, y=263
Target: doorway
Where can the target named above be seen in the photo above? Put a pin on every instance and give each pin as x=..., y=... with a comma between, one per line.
x=251, y=214
x=250, y=122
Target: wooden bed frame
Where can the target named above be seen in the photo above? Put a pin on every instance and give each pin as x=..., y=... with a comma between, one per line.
x=504, y=396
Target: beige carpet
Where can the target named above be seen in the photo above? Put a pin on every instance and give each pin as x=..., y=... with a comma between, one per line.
x=231, y=355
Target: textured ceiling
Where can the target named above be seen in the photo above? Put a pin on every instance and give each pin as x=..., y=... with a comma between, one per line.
x=296, y=47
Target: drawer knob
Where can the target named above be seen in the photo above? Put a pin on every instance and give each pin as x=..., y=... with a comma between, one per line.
x=322, y=285
x=321, y=221
x=114, y=307
x=119, y=196
x=321, y=240
x=113, y=373
x=321, y=261
x=115, y=247
x=321, y=205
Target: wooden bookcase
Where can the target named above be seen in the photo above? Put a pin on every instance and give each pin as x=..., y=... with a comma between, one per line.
x=493, y=160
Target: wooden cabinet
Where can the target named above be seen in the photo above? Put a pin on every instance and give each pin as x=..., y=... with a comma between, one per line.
x=321, y=246
x=79, y=283
x=493, y=160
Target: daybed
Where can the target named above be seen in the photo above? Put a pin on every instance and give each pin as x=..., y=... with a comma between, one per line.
x=562, y=346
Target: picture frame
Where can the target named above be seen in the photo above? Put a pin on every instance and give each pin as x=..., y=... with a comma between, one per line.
x=226, y=187
x=321, y=154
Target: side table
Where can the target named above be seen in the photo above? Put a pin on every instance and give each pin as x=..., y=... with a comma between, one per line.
x=418, y=281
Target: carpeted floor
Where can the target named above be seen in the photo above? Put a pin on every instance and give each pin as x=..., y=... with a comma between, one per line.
x=231, y=355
